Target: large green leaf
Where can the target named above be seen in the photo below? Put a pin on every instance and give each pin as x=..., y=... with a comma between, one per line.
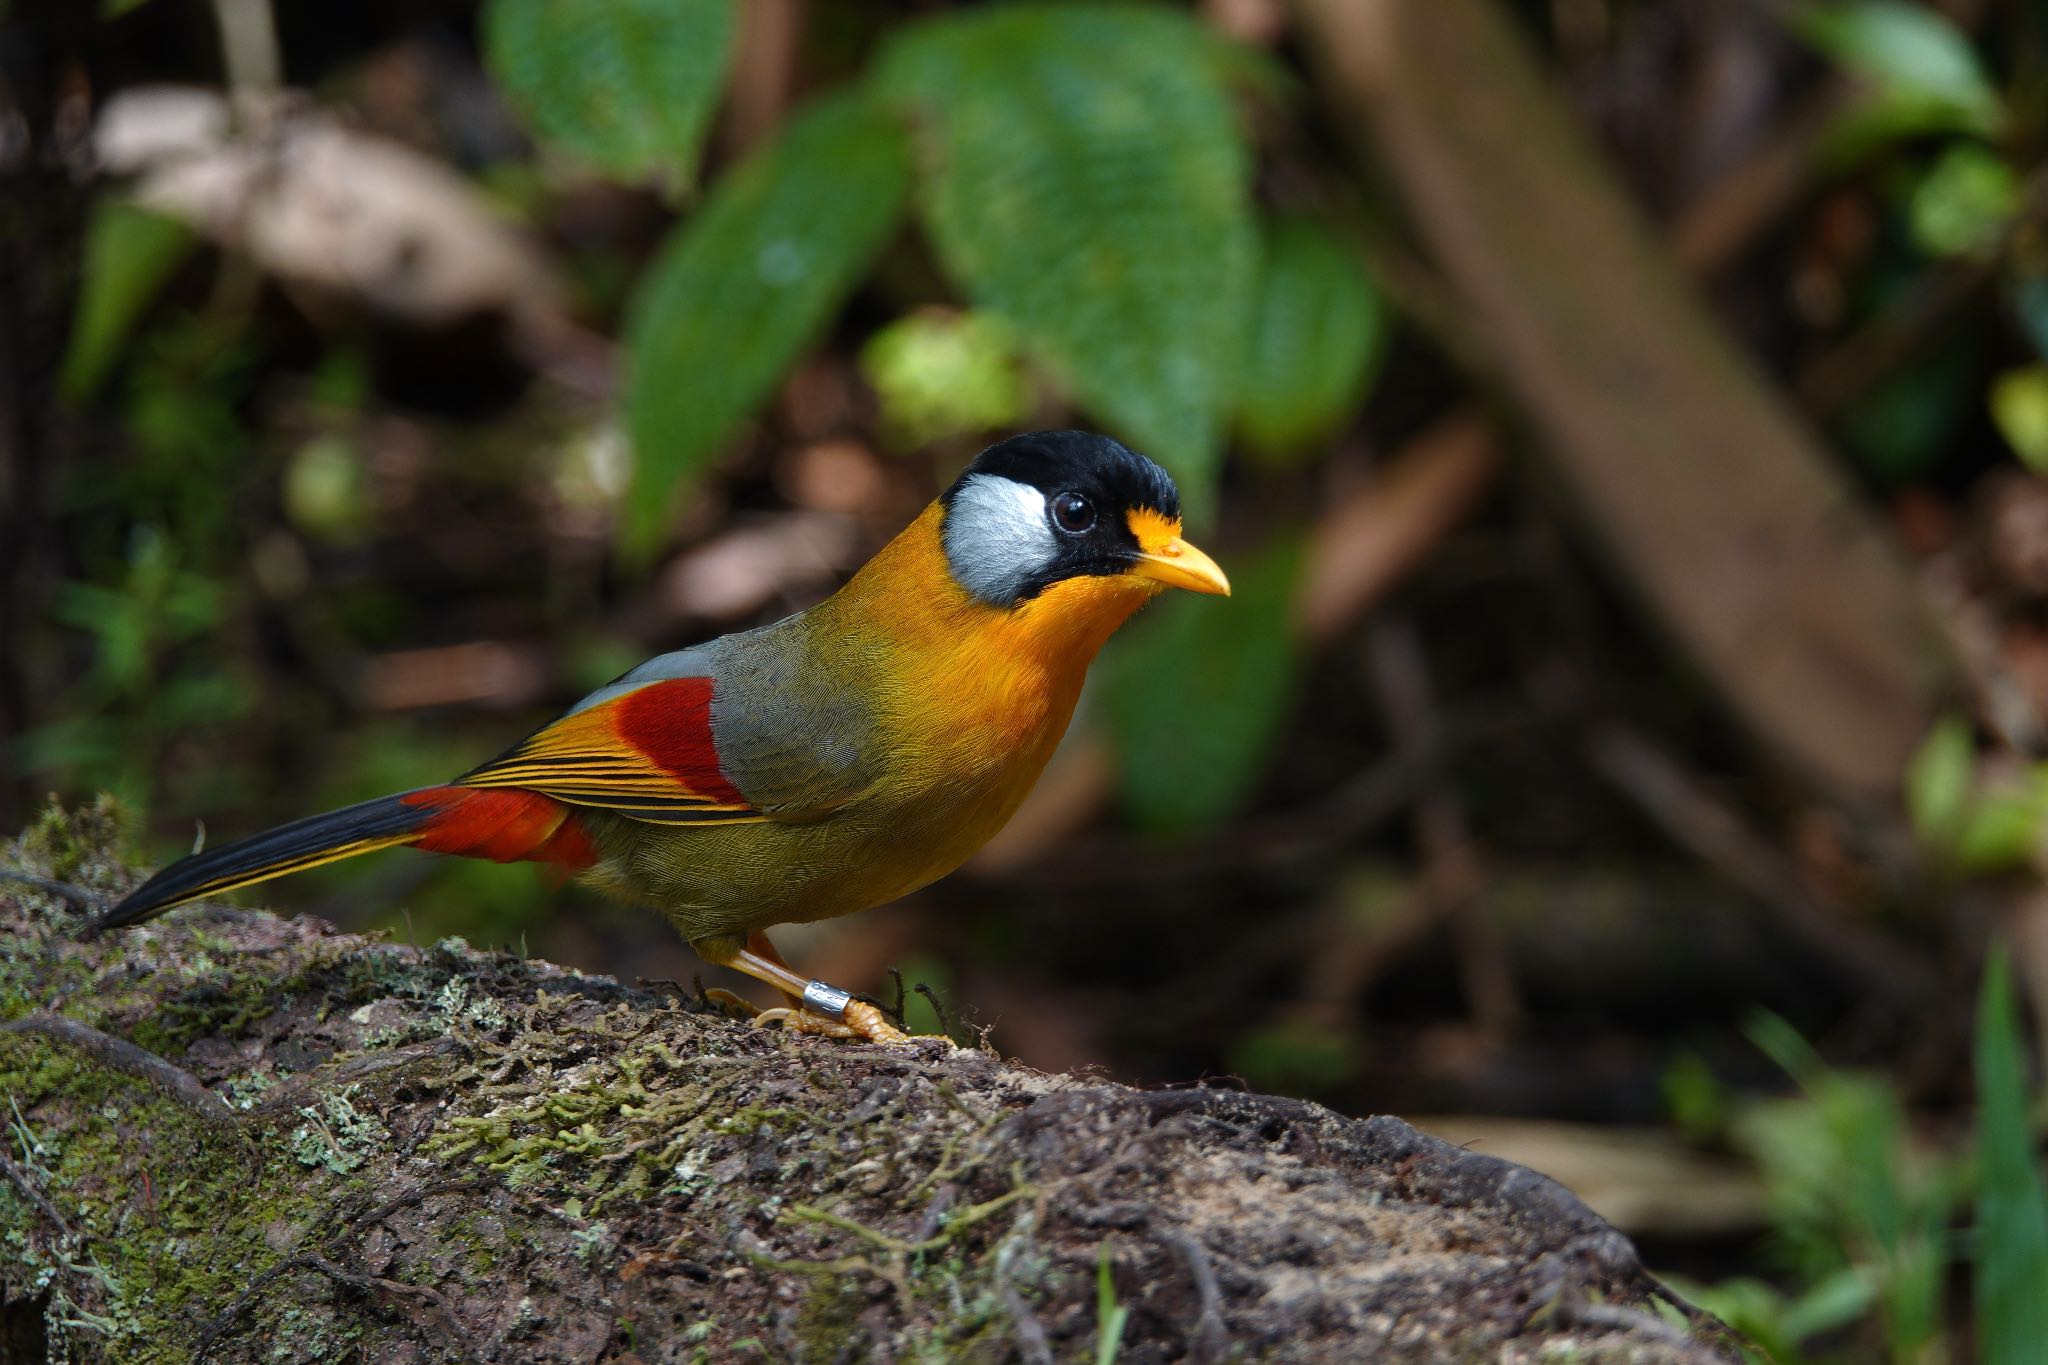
x=745, y=284
x=2012, y=1209
x=1926, y=76
x=628, y=85
x=1318, y=333
x=129, y=253
x=1085, y=178
x=1197, y=693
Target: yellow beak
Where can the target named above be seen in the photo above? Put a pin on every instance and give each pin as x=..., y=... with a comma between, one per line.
x=1165, y=558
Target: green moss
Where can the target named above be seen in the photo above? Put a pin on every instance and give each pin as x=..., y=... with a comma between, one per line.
x=481, y=1236
x=829, y=1317
x=625, y=1124
x=228, y=999
x=82, y=846
x=167, y=1224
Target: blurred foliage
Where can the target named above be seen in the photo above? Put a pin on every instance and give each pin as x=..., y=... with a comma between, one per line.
x=1318, y=333
x=1863, y=1210
x=1295, y=1056
x=628, y=85
x=1972, y=818
x=2011, y=1247
x=1931, y=105
x=1082, y=175
x=942, y=375
x=1963, y=201
x=1197, y=696
x=750, y=280
x=1927, y=76
x=2019, y=405
x=128, y=253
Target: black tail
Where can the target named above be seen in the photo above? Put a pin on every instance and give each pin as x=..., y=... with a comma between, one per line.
x=302, y=844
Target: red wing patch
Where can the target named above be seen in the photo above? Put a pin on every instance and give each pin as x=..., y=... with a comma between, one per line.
x=648, y=754
x=670, y=722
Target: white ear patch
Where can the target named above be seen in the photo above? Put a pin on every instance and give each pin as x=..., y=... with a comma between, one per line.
x=997, y=537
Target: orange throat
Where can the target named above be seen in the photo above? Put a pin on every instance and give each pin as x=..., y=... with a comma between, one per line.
x=1010, y=674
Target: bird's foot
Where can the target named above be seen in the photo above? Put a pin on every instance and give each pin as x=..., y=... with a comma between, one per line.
x=859, y=1020
x=817, y=1007
x=727, y=1001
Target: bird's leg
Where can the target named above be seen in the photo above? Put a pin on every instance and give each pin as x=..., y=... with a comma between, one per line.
x=818, y=1007
x=758, y=944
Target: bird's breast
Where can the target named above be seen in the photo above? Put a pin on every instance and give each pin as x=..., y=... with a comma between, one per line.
x=970, y=699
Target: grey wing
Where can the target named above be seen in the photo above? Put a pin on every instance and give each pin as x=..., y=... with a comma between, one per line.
x=791, y=737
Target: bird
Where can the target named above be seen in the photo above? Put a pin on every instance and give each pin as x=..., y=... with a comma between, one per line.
x=829, y=762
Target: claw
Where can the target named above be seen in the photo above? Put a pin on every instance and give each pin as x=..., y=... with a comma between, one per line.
x=726, y=1000
x=814, y=1006
x=863, y=1021
x=870, y=1023
x=803, y=1021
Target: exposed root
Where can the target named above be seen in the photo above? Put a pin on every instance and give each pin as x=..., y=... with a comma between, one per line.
x=122, y=1055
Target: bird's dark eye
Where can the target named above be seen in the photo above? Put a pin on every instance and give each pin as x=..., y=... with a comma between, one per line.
x=1072, y=513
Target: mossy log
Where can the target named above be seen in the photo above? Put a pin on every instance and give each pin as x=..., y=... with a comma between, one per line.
x=236, y=1137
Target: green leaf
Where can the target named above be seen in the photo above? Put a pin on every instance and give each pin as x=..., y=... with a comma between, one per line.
x=1110, y=1317
x=2019, y=406
x=627, y=85
x=940, y=374
x=1963, y=202
x=2012, y=1209
x=1843, y=1186
x=1317, y=335
x=1753, y=1307
x=1196, y=696
x=129, y=253
x=742, y=287
x=1839, y=1299
x=1086, y=179
x=1938, y=782
x=2002, y=828
x=1928, y=77
x=1900, y=430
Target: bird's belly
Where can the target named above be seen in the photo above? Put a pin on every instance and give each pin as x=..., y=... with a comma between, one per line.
x=727, y=879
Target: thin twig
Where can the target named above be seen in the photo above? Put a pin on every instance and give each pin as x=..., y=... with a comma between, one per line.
x=66, y=891
x=227, y=1317
x=1033, y=1346
x=35, y=1196
x=932, y=998
x=1716, y=834
x=1451, y=871
x=1209, y=1343
x=366, y=1284
x=895, y=1010
x=288, y=1096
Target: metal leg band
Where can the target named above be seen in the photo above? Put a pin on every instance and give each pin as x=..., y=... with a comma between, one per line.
x=828, y=1000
